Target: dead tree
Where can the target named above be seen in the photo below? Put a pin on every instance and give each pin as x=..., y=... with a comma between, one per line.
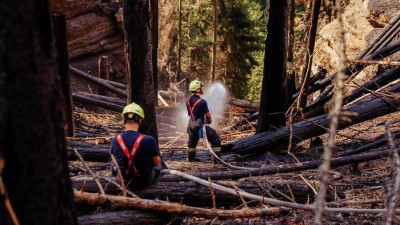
x=32, y=137
x=273, y=94
x=138, y=16
x=309, y=54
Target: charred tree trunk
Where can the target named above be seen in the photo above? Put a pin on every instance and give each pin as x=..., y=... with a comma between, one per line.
x=178, y=72
x=31, y=117
x=214, y=49
x=127, y=217
x=154, y=34
x=302, y=103
x=63, y=68
x=273, y=95
x=193, y=194
x=138, y=26
x=103, y=71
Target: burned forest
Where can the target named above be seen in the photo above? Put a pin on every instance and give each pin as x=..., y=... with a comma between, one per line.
x=303, y=97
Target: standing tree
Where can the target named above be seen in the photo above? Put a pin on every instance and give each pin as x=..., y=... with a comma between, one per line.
x=305, y=77
x=273, y=94
x=215, y=31
x=31, y=118
x=139, y=25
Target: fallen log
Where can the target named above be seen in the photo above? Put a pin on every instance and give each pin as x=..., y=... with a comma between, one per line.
x=113, y=100
x=126, y=217
x=369, y=146
x=193, y=194
x=166, y=207
x=319, y=108
x=246, y=120
x=376, y=82
x=95, y=102
x=99, y=82
x=244, y=103
x=363, y=110
x=172, y=96
x=326, y=82
x=94, y=153
x=272, y=169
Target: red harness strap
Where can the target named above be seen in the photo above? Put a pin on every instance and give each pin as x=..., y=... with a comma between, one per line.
x=131, y=155
x=192, y=108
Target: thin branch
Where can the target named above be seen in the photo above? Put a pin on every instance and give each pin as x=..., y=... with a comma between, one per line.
x=119, y=175
x=334, y=115
x=119, y=186
x=394, y=191
x=372, y=62
x=212, y=194
x=96, y=179
x=240, y=196
x=4, y=194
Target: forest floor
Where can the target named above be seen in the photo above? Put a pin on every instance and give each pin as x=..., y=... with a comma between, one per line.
x=366, y=189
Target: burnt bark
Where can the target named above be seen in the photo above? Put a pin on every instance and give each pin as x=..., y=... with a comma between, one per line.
x=63, y=68
x=193, y=194
x=103, y=71
x=100, y=82
x=138, y=25
x=32, y=136
x=273, y=94
x=126, y=217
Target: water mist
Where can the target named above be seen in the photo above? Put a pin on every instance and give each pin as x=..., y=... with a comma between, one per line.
x=216, y=96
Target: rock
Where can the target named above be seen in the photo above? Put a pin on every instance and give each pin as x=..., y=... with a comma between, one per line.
x=388, y=8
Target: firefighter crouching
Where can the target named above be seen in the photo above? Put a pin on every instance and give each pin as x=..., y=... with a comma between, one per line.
x=137, y=155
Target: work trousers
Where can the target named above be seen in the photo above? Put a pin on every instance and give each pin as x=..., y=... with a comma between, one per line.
x=193, y=133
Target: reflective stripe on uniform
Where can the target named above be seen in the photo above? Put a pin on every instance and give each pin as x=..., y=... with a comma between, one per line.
x=216, y=149
x=191, y=149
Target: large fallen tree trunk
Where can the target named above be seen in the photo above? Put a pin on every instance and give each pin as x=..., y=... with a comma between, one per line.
x=126, y=217
x=363, y=110
x=82, y=198
x=384, y=52
x=376, y=82
x=96, y=102
x=319, y=107
x=244, y=103
x=113, y=100
x=98, y=81
x=191, y=193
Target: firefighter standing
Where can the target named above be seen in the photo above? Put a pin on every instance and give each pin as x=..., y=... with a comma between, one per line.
x=137, y=155
x=199, y=115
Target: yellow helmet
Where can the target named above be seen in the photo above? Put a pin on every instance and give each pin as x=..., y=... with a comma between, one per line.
x=194, y=85
x=133, y=108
